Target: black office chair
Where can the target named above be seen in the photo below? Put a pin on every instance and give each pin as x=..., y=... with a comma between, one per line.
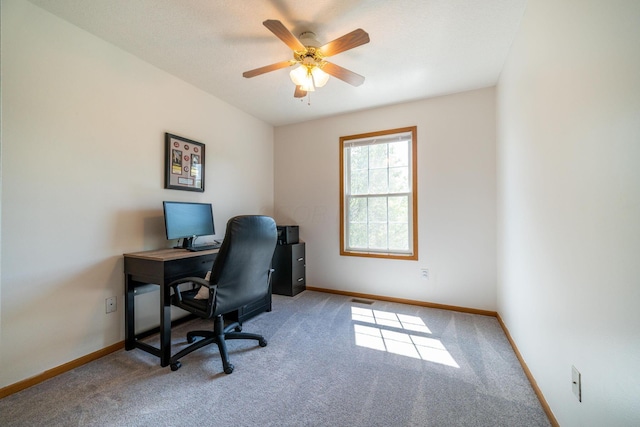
x=241, y=275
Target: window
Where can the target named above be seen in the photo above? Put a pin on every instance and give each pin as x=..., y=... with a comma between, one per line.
x=378, y=203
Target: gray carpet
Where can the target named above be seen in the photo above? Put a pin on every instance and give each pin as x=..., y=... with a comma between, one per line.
x=330, y=362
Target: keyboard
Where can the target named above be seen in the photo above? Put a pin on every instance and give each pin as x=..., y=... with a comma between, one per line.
x=199, y=248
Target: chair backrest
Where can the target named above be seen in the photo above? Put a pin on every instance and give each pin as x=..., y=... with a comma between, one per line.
x=241, y=269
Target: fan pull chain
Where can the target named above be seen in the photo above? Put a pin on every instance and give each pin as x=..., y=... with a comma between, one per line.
x=308, y=99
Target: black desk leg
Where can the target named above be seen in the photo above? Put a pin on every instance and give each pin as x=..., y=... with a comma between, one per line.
x=165, y=325
x=129, y=315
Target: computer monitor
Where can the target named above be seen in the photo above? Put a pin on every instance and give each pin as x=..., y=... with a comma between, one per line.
x=187, y=221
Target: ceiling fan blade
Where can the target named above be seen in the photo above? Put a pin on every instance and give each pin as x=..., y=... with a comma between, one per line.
x=281, y=32
x=343, y=74
x=354, y=39
x=299, y=93
x=267, y=68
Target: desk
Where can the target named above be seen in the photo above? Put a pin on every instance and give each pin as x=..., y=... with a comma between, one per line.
x=159, y=267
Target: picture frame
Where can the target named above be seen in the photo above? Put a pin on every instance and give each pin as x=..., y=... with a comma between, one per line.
x=184, y=164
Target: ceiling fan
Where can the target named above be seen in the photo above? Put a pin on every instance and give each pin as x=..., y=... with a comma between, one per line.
x=313, y=71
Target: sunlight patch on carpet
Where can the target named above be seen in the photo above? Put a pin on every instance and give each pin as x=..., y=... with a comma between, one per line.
x=389, y=335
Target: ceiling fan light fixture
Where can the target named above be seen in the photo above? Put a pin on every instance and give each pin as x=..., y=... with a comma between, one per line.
x=320, y=78
x=308, y=77
x=300, y=75
x=303, y=77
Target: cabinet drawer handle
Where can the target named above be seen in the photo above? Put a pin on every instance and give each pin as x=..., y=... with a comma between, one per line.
x=301, y=279
x=300, y=259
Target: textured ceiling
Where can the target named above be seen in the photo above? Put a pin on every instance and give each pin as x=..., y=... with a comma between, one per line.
x=418, y=48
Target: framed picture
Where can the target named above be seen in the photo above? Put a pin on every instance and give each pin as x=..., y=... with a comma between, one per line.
x=184, y=164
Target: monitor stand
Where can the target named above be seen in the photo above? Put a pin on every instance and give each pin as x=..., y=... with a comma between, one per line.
x=187, y=242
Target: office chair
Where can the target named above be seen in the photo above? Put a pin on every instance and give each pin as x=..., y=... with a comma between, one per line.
x=241, y=274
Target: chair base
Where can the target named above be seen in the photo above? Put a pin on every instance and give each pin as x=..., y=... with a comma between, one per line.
x=219, y=335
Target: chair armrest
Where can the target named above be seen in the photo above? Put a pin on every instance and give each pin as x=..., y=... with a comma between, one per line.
x=198, y=280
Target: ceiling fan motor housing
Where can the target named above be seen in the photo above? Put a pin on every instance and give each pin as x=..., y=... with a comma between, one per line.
x=308, y=38
x=311, y=56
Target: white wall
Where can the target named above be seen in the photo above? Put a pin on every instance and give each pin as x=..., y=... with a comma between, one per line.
x=82, y=162
x=456, y=200
x=569, y=205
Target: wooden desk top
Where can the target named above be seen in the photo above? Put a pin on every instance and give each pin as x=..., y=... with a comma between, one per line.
x=168, y=254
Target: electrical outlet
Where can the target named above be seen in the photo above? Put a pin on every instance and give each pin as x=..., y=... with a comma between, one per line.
x=424, y=272
x=111, y=304
x=576, y=383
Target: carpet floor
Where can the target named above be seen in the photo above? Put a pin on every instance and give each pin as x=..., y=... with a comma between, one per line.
x=331, y=360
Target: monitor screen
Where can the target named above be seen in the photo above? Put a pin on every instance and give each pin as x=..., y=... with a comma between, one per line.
x=186, y=220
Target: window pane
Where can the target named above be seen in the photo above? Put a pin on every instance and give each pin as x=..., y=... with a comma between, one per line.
x=359, y=182
x=399, y=209
x=357, y=210
x=359, y=158
x=399, y=154
x=358, y=237
x=399, y=237
x=399, y=180
x=378, y=181
x=378, y=156
x=377, y=210
x=378, y=236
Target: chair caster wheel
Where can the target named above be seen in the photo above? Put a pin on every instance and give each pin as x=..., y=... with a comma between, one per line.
x=262, y=343
x=239, y=328
x=190, y=338
x=176, y=366
x=228, y=369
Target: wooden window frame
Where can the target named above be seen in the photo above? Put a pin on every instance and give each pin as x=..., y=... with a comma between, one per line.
x=413, y=235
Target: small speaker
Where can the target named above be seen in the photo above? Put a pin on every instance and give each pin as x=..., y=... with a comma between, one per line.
x=287, y=234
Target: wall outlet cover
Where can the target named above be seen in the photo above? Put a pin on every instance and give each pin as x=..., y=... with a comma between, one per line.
x=111, y=305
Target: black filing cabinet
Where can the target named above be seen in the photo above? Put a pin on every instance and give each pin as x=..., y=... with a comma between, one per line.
x=289, y=277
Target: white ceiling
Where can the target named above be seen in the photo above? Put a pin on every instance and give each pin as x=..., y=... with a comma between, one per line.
x=418, y=48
